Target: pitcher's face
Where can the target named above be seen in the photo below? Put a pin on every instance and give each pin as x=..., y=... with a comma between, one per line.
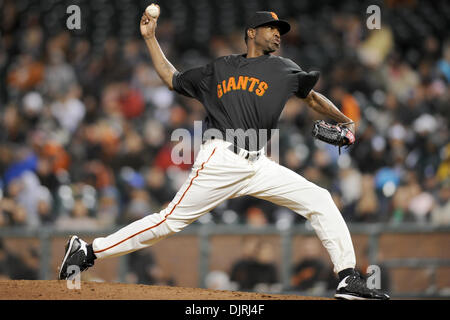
x=268, y=38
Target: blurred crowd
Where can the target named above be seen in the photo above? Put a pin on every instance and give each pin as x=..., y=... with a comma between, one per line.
x=312, y=274
x=86, y=127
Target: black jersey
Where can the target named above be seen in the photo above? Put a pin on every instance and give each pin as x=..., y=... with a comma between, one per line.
x=242, y=96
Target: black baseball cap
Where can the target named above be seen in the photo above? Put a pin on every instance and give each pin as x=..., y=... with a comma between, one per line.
x=265, y=18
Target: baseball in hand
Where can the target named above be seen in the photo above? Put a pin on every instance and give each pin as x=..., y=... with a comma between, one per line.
x=152, y=10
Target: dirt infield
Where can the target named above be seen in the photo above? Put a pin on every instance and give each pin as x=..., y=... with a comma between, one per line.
x=57, y=290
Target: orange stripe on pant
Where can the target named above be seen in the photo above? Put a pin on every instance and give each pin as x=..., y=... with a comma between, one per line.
x=165, y=218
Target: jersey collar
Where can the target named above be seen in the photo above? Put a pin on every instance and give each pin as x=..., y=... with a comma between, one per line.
x=244, y=61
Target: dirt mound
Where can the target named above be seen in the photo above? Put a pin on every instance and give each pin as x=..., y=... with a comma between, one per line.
x=57, y=290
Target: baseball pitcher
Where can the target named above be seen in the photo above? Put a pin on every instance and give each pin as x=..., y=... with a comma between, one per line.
x=241, y=93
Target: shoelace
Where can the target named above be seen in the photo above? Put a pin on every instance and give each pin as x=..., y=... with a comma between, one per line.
x=355, y=278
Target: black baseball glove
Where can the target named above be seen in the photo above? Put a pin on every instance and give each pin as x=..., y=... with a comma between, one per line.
x=335, y=134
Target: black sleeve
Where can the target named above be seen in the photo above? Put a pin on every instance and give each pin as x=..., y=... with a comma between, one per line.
x=306, y=81
x=291, y=70
x=291, y=66
x=189, y=82
x=302, y=82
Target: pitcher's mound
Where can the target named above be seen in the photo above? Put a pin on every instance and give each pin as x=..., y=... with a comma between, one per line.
x=57, y=290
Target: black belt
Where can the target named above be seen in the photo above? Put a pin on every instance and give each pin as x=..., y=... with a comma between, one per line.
x=237, y=150
x=248, y=154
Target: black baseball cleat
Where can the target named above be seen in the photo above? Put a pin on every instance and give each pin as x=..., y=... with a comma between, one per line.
x=75, y=258
x=353, y=287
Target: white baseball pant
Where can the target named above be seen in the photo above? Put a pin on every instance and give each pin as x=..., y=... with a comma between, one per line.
x=219, y=174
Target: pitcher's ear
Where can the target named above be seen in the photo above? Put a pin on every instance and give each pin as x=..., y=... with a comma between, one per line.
x=251, y=33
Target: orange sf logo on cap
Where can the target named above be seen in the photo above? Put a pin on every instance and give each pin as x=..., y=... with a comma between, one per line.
x=274, y=15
